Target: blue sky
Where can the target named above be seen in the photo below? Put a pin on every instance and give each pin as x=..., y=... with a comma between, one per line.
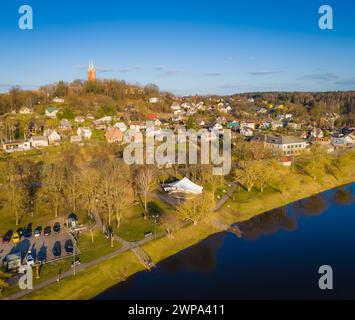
x=184, y=46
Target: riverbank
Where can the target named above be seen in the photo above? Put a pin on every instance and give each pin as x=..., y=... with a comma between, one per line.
x=91, y=281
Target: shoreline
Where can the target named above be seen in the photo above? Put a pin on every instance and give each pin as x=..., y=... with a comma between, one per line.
x=92, y=281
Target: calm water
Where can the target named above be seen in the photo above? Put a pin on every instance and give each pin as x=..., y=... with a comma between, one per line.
x=278, y=257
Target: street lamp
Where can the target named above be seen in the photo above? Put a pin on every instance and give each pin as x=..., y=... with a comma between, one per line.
x=155, y=217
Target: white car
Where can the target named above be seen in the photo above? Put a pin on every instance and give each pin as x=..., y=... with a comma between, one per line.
x=30, y=260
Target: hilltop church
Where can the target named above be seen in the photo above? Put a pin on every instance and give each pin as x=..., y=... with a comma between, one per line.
x=91, y=71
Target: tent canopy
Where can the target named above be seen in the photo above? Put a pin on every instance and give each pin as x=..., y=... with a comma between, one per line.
x=184, y=185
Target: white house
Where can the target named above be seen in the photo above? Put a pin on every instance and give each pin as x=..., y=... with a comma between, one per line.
x=51, y=112
x=26, y=110
x=53, y=136
x=84, y=132
x=154, y=100
x=247, y=124
x=39, y=141
x=76, y=139
x=276, y=125
x=58, y=100
x=246, y=131
x=121, y=126
x=13, y=146
x=79, y=119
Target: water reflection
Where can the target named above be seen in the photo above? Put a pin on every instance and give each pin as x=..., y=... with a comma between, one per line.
x=201, y=257
x=268, y=224
x=343, y=196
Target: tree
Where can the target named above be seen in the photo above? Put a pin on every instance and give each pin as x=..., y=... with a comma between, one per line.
x=145, y=183
x=197, y=208
x=171, y=224
x=114, y=190
x=248, y=174
x=72, y=181
x=54, y=185
x=264, y=174
x=14, y=191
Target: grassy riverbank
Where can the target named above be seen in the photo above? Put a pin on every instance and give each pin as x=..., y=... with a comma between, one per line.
x=94, y=280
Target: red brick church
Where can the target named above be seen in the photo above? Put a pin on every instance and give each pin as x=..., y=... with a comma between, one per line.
x=91, y=71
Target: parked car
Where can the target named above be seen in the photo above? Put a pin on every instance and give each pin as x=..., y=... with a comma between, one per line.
x=56, y=227
x=41, y=257
x=47, y=231
x=69, y=247
x=57, y=249
x=16, y=237
x=38, y=232
x=30, y=260
x=27, y=232
x=7, y=237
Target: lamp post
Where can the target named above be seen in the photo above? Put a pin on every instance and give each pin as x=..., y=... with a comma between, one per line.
x=155, y=217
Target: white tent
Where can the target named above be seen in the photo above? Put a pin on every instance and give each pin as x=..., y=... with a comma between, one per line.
x=184, y=185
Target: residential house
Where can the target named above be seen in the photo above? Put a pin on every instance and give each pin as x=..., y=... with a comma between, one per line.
x=276, y=125
x=76, y=139
x=13, y=146
x=262, y=110
x=294, y=125
x=51, y=112
x=113, y=135
x=246, y=131
x=121, y=126
x=89, y=116
x=84, y=132
x=234, y=125
x=39, y=141
x=58, y=100
x=137, y=125
x=26, y=110
x=105, y=119
x=53, y=136
x=64, y=125
x=154, y=100
x=79, y=119
x=247, y=124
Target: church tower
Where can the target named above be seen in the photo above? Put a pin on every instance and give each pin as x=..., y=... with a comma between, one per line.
x=91, y=71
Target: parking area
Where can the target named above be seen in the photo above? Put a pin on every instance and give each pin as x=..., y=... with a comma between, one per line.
x=43, y=248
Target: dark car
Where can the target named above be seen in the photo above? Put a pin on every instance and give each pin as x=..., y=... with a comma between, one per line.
x=56, y=227
x=47, y=231
x=7, y=237
x=27, y=232
x=38, y=232
x=57, y=249
x=41, y=256
x=69, y=247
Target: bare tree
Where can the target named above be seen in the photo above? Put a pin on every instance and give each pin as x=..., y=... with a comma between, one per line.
x=54, y=185
x=197, y=209
x=15, y=192
x=145, y=182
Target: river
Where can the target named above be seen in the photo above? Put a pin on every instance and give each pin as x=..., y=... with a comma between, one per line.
x=278, y=257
